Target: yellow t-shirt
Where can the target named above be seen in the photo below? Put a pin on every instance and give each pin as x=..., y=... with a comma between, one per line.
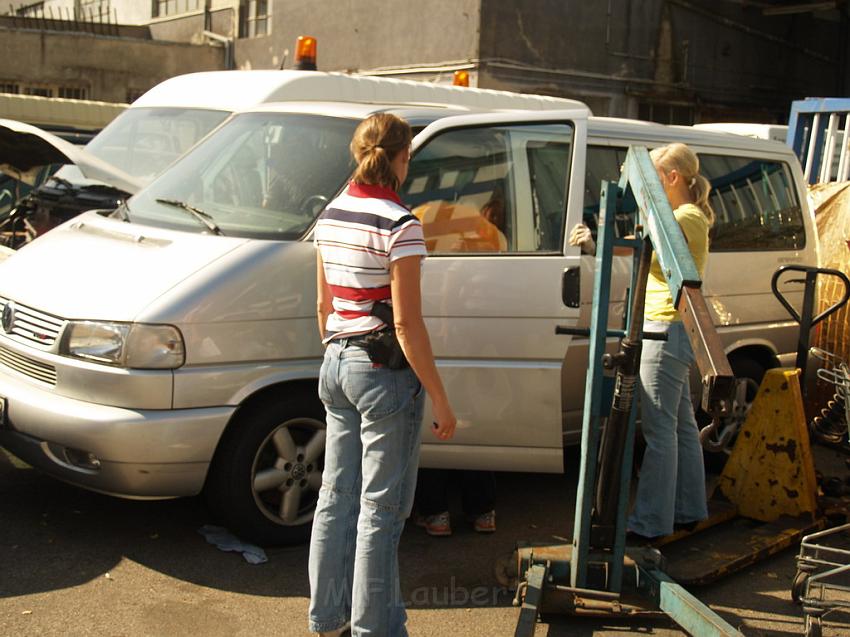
x=659, y=301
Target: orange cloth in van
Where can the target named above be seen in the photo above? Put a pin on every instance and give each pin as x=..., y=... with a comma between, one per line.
x=458, y=227
x=659, y=301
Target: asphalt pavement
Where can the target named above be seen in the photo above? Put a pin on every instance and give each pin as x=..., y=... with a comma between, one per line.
x=79, y=563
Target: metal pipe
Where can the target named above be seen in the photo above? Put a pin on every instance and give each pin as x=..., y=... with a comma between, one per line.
x=844, y=161
x=228, y=47
x=826, y=162
x=812, y=147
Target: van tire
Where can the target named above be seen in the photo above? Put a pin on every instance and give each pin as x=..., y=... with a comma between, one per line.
x=265, y=477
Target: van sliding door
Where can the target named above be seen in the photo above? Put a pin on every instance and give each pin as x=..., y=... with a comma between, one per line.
x=492, y=197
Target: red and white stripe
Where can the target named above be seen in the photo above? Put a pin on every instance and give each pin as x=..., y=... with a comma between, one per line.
x=359, y=234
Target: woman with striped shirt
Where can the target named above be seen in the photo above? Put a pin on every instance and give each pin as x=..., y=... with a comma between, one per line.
x=370, y=251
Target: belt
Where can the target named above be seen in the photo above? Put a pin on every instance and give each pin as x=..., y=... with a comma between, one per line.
x=359, y=339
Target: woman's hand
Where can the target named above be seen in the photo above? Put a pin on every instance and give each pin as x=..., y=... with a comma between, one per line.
x=581, y=236
x=444, y=420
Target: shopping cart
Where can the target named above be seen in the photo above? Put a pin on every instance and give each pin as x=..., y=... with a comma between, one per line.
x=822, y=582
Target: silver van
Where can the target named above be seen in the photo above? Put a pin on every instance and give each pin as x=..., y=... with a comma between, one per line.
x=170, y=347
x=136, y=146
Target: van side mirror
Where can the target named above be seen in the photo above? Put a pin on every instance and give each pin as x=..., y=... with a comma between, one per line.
x=571, y=287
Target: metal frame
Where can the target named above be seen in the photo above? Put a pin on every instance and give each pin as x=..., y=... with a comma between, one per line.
x=813, y=135
x=819, y=567
x=597, y=559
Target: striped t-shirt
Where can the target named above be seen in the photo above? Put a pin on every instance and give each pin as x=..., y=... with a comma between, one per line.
x=359, y=234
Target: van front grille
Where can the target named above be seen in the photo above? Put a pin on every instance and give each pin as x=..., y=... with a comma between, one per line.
x=28, y=366
x=29, y=325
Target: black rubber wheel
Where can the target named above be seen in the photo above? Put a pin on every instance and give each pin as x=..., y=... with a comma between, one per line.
x=798, y=586
x=265, y=477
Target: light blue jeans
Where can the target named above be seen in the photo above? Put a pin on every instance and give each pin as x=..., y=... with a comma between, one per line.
x=374, y=417
x=671, y=488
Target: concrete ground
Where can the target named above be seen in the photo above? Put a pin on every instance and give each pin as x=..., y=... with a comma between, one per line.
x=78, y=563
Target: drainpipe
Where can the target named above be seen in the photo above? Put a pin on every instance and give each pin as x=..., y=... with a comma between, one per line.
x=228, y=48
x=207, y=16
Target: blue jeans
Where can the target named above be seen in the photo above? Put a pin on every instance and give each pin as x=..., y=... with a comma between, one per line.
x=671, y=488
x=374, y=417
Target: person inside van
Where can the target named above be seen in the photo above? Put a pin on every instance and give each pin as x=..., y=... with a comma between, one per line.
x=671, y=487
x=463, y=227
x=370, y=250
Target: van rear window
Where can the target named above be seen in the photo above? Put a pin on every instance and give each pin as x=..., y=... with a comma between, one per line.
x=754, y=200
x=755, y=204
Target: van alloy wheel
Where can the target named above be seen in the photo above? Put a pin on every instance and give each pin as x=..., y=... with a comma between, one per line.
x=264, y=479
x=287, y=471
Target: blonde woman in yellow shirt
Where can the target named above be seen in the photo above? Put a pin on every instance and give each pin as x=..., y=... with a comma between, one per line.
x=671, y=488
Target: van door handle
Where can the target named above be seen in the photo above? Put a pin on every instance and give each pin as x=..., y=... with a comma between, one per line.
x=571, y=287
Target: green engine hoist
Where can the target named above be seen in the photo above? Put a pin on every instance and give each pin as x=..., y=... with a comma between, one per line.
x=597, y=573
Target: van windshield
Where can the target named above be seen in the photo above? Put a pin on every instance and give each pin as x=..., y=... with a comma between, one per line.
x=145, y=141
x=261, y=175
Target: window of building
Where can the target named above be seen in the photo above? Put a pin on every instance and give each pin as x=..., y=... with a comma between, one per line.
x=253, y=18
x=9, y=87
x=754, y=201
x=41, y=91
x=73, y=92
x=162, y=8
x=463, y=186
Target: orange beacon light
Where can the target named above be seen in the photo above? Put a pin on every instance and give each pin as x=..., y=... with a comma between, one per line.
x=461, y=78
x=305, y=53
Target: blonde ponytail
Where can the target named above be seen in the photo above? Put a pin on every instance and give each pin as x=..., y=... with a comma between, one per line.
x=700, y=190
x=376, y=142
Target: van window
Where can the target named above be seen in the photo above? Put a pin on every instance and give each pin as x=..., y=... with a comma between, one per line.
x=755, y=204
x=754, y=201
x=262, y=175
x=603, y=162
x=144, y=141
x=492, y=189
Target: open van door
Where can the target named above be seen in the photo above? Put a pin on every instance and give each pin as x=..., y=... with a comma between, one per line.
x=493, y=193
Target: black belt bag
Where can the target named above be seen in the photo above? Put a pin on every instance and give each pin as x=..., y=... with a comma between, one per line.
x=382, y=346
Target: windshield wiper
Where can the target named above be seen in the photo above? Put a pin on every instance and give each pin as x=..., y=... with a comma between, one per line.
x=197, y=213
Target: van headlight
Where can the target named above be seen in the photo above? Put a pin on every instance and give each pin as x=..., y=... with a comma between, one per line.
x=131, y=345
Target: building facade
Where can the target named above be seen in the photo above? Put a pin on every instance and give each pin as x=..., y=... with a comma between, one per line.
x=673, y=61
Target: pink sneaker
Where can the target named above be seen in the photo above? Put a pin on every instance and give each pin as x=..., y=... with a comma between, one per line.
x=438, y=525
x=486, y=522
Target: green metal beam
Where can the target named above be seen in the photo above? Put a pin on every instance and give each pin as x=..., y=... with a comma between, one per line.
x=685, y=609
x=536, y=579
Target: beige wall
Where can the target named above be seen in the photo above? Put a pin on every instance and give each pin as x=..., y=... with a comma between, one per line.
x=107, y=66
x=367, y=33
